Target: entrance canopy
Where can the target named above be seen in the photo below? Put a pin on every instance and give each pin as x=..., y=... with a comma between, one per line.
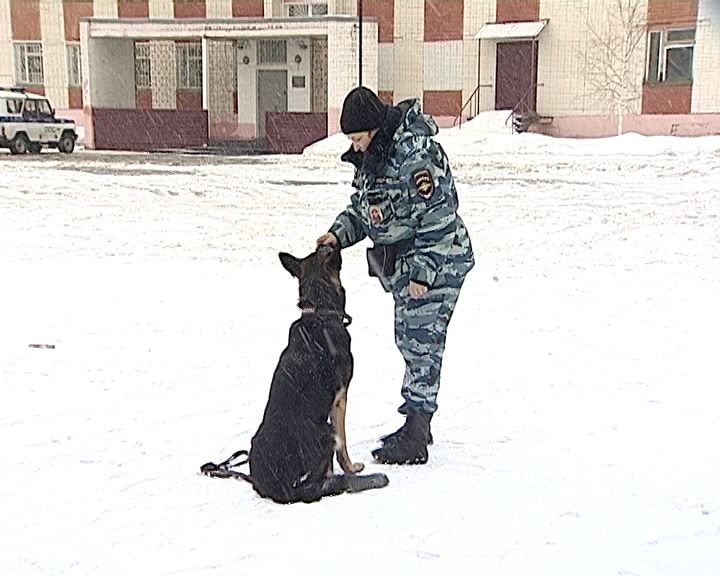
x=511, y=30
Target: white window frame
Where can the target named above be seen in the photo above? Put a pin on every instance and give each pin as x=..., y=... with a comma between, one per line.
x=663, y=47
x=189, y=65
x=143, y=70
x=29, y=68
x=74, y=66
x=305, y=9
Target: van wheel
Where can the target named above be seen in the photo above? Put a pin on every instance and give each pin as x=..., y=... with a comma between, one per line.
x=19, y=144
x=66, y=143
x=34, y=148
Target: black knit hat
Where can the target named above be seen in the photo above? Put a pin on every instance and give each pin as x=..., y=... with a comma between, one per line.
x=362, y=111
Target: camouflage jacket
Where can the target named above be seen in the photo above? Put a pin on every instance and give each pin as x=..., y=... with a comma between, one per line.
x=405, y=196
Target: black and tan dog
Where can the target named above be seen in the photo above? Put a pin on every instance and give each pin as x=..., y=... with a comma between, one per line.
x=303, y=427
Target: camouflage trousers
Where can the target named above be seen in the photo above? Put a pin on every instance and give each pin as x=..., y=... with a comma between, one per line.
x=420, y=331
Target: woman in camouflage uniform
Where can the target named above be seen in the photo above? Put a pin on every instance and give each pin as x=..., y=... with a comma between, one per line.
x=406, y=203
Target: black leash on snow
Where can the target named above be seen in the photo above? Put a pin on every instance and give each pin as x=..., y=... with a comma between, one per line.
x=226, y=469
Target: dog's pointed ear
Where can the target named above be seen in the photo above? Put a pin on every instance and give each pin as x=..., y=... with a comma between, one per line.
x=290, y=263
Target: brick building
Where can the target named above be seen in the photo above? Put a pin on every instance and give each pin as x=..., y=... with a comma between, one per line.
x=191, y=72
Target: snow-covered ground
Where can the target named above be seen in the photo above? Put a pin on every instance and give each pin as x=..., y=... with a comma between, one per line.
x=579, y=411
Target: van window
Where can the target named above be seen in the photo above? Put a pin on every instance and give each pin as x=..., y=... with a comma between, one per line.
x=13, y=106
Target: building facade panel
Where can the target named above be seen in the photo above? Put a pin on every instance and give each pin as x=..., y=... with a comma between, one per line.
x=133, y=9
x=247, y=8
x=161, y=8
x=386, y=66
x=72, y=12
x=439, y=74
x=189, y=8
x=518, y=10
x=442, y=104
x=443, y=20
x=7, y=60
x=25, y=18
x=475, y=14
x=706, y=81
x=409, y=52
x=384, y=12
x=672, y=99
x=105, y=8
x=664, y=12
x=52, y=27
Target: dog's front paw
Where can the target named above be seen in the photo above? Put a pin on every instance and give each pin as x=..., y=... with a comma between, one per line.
x=355, y=467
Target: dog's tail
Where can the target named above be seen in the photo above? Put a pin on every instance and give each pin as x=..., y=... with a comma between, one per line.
x=227, y=468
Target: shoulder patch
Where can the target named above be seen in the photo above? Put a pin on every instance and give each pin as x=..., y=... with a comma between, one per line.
x=424, y=185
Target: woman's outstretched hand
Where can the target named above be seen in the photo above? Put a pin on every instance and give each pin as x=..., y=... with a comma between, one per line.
x=327, y=239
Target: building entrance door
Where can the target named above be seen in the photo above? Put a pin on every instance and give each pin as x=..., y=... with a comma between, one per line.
x=272, y=96
x=515, y=74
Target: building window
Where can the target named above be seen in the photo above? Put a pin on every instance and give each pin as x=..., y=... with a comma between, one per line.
x=670, y=55
x=299, y=9
x=29, y=63
x=189, y=66
x=143, y=79
x=74, y=69
x=272, y=52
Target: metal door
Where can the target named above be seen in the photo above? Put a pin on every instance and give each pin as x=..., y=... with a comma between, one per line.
x=272, y=92
x=515, y=74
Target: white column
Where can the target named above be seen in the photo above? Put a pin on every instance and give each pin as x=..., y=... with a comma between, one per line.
x=409, y=51
x=205, y=72
x=52, y=30
x=105, y=8
x=7, y=60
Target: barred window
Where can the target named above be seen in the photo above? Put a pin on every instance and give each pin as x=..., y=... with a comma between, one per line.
x=272, y=52
x=29, y=63
x=74, y=69
x=143, y=78
x=303, y=9
x=189, y=66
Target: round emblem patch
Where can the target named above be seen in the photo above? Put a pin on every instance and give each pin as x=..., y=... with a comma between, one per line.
x=376, y=215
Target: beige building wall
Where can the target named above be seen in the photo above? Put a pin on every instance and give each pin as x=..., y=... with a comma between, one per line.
x=442, y=65
x=52, y=29
x=161, y=8
x=7, y=64
x=475, y=14
x=706, y=81
x=105, y=9
x=218, y=8
x=342, y=7
x=386, y=66
x=409, y=52
x=564, y=43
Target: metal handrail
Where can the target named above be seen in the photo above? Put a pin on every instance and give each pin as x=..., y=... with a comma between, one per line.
x=474, y=97
x=521, y=101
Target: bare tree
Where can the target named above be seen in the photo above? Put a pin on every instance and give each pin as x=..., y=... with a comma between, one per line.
x=614, y=50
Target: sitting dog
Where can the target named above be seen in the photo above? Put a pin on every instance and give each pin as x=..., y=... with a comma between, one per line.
x=303, y=426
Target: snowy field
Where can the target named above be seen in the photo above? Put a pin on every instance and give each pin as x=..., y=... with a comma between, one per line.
x=579, y=411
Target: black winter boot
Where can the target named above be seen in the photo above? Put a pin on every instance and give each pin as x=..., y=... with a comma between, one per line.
x=409, y=445
x=390, y=438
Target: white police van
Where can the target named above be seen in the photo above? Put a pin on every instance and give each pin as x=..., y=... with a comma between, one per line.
x=28, y=122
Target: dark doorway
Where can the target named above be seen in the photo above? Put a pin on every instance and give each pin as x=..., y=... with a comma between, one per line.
x=515, y=74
